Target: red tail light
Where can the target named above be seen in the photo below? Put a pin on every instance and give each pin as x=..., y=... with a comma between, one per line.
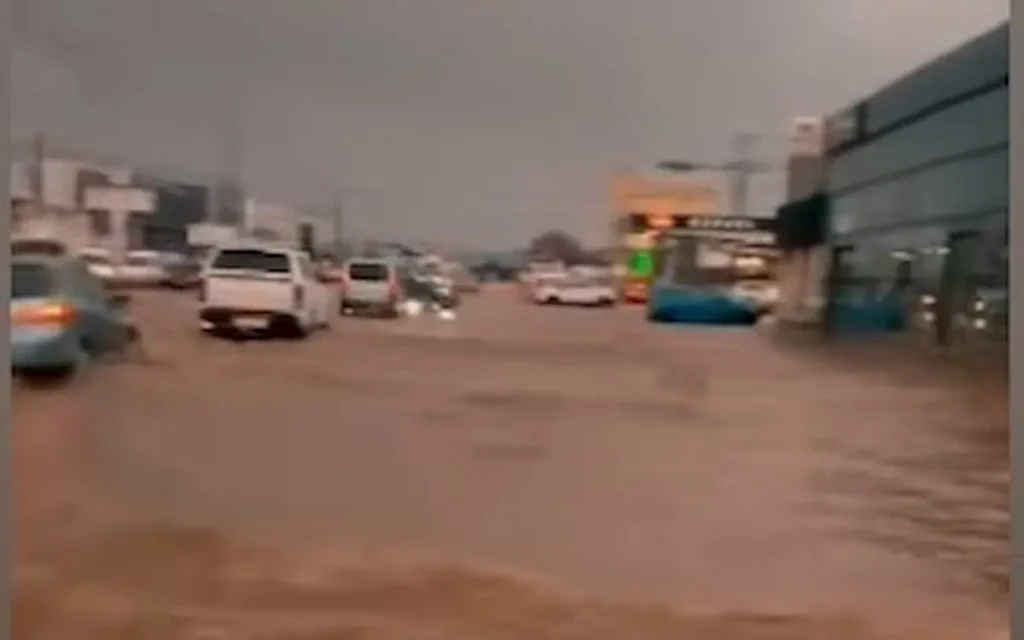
x=58, y=314
x=298, y=296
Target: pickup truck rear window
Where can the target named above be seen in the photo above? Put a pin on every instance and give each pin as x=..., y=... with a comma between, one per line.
x=371, y=271
x=252, y=260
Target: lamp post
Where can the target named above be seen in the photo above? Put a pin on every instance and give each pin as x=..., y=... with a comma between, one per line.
x=740, y=169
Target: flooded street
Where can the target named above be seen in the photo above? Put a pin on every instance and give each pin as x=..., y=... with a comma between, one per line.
x=520, y=472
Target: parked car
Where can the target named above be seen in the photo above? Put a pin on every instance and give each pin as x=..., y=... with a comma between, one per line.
x=257, y=289
x=373, y=285
x=182, y=273
x=141, y=269
x=62, y=316
x=100, y=265
x=575, y=289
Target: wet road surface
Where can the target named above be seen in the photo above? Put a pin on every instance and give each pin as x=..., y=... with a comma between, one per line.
x=466, y=472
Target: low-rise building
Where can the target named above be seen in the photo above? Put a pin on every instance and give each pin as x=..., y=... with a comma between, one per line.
x=915, y=203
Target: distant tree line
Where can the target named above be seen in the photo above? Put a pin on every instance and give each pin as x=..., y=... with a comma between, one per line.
x=560, y=246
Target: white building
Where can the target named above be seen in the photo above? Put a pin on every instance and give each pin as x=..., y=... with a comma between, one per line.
x=271, y=221
x=284, y=223
x=82, y=202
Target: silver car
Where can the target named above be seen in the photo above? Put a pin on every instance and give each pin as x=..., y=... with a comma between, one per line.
x=371, y=285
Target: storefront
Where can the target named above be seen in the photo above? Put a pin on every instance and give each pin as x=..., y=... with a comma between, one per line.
x=918, y=182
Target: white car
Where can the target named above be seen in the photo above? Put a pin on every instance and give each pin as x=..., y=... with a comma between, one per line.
x=265, y=290
x=141, y=269
x=575, y=291
x=99, y=263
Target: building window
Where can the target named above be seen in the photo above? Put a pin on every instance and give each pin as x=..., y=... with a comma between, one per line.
x=976, y=124
x=99, y=223
x=134, y=230
x=972, y=185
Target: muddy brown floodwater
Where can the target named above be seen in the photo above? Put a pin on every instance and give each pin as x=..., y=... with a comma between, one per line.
x=520, y=472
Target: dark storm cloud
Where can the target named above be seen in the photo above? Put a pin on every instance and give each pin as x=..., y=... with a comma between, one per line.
x=475, y=119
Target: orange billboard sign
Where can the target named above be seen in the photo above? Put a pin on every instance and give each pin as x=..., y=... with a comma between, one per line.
x=661, y=200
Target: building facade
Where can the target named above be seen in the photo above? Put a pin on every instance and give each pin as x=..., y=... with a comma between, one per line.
x=178, y=205
x=55, y=195
x=917, y=177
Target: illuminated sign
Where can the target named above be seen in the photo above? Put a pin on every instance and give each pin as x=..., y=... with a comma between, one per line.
x=720, y=223
x=640, y=241
x=662, y=198
x=661, y=221
x=807, y=136
x=741, y=228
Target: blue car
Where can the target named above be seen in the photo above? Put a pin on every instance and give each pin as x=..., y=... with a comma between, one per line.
x=688, y=304
x=62, y=316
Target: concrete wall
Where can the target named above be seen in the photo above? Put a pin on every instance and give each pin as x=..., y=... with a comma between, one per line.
x=801, y=272
x=271, y=220
x=70, y=226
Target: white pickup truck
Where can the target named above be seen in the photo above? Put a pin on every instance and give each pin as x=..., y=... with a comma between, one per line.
x=263, y=289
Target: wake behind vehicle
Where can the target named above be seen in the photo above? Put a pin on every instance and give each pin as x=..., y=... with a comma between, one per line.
x=257, y=289
x=62, y=316
x=371, y=285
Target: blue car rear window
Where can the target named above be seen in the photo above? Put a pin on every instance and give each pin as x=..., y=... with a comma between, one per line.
x=30, y=280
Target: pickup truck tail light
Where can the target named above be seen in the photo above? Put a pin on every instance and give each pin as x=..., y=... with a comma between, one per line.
x=298, y=296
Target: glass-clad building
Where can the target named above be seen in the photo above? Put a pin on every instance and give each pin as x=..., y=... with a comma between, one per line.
x=918, y=176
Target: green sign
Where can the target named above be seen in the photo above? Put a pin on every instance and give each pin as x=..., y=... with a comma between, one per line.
x=641, y=263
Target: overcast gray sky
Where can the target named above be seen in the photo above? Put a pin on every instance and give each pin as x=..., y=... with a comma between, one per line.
x=477, y=121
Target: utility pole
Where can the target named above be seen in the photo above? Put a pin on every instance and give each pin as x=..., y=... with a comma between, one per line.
x=741, y=169
x=234, y=145
x=38, y=169
x=338, y=223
